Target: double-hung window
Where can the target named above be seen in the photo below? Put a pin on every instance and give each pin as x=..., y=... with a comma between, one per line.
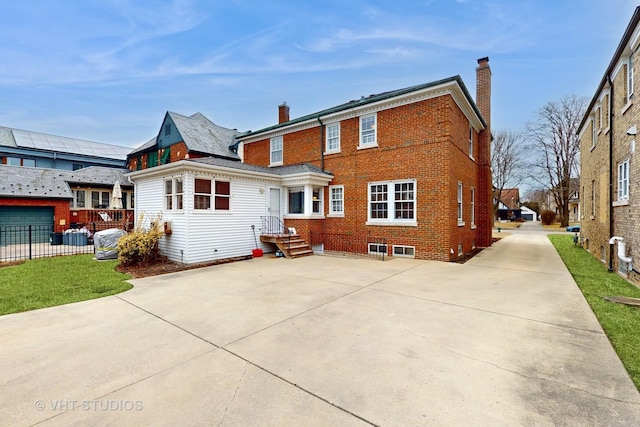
x=336, y=200
x=392, y=202
x=276, y=151
x=202, y=194
x=630, y=78
x=473, y=207
x=173, y=192
x=460, y=221
x=206, y=189
x=471, y=141
x=333, y=138
x=623, y=180
x=80, y=198
x=368, y=135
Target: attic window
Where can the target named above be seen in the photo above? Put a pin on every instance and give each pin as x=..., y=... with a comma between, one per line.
x=167, y=129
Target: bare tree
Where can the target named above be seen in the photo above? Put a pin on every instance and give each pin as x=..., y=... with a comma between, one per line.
x=507, y=163
x=554, y=134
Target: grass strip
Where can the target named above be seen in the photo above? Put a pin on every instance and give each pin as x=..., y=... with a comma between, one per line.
x=621, y=323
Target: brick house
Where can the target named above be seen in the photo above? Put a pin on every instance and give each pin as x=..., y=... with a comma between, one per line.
x=405, y=171
x=610, y=174
x=411, y=166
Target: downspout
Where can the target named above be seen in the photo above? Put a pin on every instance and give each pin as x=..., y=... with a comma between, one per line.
x=611, y=226
x=321, y=144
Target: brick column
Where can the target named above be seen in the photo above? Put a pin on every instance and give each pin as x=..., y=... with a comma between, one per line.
x=485, y=185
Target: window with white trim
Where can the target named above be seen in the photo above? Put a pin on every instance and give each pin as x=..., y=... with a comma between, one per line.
x=79, y=198
x=316, y=200
x=594, y=132
x=392, y=201
x=404, y=251
x=368, y=135
x=630, y=77
x=333, y=138
x=173, y=191
x=377, y=248
x=473, y=206
x=206, y=189
x=222, y=196
x=276, y=150
x=100, y=199
x=459, y=202
x=623, y=180
x=296, y=200
x=336, y=200
x=471, y=141
x=593, y=198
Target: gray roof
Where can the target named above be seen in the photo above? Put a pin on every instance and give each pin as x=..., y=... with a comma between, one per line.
x=371, y=99
x=200, y=134
x=17, y=138
x=17, y=181
x=277, y=171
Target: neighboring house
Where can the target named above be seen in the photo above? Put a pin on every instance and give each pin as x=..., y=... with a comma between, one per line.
x=34, y=149
x=62, y=199
x=610, y=171
x=508, y=204
x=528, y=214
x=181, y=137
x=410, y=168
x=574, y=201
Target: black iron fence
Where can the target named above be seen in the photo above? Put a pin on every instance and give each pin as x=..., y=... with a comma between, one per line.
x=349, y=244
x=37, y=241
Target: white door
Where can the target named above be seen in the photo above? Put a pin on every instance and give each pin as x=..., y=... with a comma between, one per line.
x=273, y=210
x=274, y=202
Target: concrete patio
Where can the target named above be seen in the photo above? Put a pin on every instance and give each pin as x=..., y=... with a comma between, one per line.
x=505, y=339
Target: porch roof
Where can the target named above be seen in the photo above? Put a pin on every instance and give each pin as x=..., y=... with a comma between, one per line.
x=18, y=181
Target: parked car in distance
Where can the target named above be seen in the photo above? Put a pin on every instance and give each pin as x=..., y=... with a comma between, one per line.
x=574, y=228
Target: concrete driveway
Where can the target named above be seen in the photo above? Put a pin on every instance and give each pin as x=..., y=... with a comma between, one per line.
x=505, y=339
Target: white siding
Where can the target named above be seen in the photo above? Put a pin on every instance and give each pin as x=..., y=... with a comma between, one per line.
x=200, y=236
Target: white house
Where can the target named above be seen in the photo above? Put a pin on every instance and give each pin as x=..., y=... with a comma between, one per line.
x=209, y=205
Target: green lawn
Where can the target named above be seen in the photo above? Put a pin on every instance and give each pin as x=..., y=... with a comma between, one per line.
x=46, y=282
x=621, y=323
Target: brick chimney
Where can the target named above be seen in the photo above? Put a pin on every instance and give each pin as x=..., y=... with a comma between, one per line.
x=483, y=88
x=485, y=187
x=283, y=113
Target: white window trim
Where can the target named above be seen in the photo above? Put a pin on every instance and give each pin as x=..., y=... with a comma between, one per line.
x=375, y=132
x=471, y=143
x=623, y=181
x=391, y=204
x=173, y=195
x=594, y=132
x=459, y=206
x=473, y=208
x=630, y=84
x=393, y=251
x=378, y=246
x=327, y=149
x=212, y=197
x=333, y=213
x=273, y=140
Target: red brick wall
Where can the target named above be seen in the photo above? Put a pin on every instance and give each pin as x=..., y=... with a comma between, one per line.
x=426, y=141
x=178, y=152
x=60, y=208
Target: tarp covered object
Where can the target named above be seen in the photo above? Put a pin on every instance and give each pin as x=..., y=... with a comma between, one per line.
x=106, y=243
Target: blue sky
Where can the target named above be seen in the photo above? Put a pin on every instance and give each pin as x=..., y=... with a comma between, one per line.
x=108, y=70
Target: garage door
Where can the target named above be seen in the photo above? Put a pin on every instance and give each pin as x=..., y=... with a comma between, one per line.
x=15, y=222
